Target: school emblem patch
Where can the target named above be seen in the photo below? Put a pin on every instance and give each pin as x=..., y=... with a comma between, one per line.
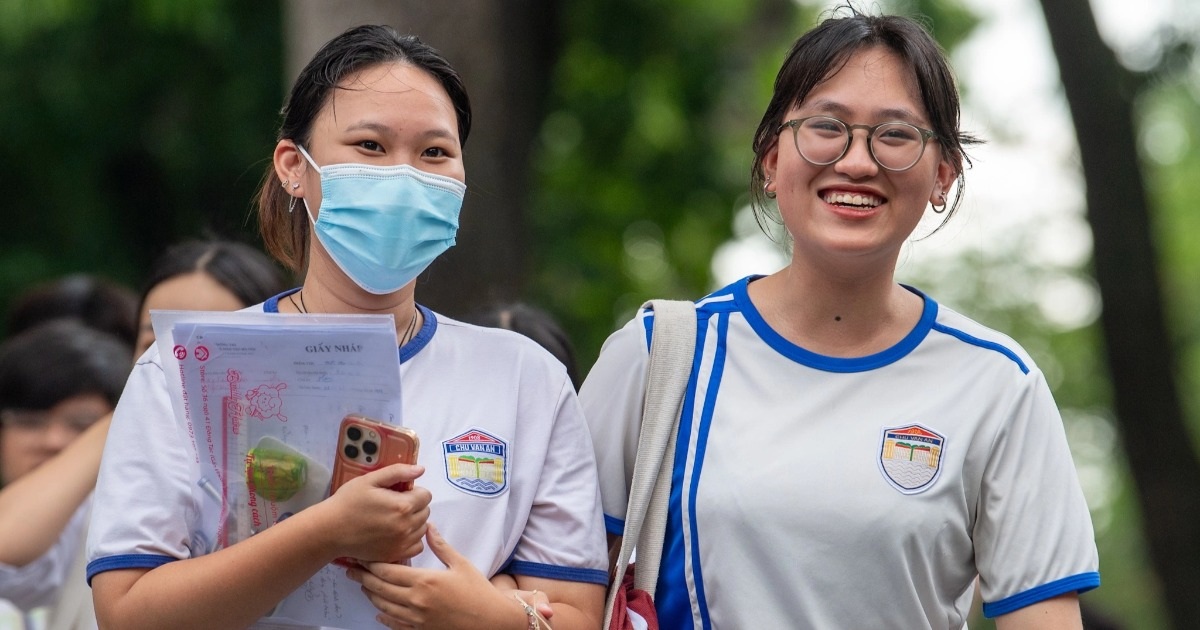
x=910, y=457
x=477, y=463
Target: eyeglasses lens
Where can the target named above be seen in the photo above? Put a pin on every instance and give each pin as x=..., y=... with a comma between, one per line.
x=822, y=140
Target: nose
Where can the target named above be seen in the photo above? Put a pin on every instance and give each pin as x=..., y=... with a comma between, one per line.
x=57, y=435
x=858, y=162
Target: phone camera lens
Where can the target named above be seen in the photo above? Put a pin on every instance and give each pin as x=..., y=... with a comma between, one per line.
x=370, y=448
x=354, y=433
x=351, y=451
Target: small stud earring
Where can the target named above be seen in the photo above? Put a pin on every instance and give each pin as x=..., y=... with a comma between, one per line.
x=284, y=184
x=295, y=185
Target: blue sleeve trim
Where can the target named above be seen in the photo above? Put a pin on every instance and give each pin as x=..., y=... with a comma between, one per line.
x=1080, y=583
x=126, y=561
x=976, y=341
x=614, y=525
x=554, y=572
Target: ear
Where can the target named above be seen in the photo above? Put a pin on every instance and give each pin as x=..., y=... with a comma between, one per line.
x=290, y=167
x=946, y=174
x=770, y=164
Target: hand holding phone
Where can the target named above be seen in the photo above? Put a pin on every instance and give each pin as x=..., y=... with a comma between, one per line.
x=366, y=445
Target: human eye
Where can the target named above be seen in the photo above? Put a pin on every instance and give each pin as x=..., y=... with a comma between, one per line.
x=827, y=127
x=897, y=133
x=435, y=152
x=371, y=146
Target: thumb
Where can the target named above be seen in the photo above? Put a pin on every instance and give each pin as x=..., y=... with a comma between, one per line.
x=389, y=476
x=442, y=549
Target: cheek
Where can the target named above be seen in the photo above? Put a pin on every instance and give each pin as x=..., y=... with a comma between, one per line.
x=10, y=459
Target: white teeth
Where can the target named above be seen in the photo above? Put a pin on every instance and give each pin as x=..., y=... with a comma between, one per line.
x=848, y=199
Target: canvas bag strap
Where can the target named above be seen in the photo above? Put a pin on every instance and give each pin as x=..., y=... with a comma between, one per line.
x=672, y=350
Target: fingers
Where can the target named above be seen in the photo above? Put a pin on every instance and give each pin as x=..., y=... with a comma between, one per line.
x=389, y=476
x=442, y=549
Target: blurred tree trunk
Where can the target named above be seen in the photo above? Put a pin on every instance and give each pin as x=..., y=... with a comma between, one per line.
x=504, y=51
x=1141, y=357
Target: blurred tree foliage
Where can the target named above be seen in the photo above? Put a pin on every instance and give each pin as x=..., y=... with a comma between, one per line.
x=129, y=124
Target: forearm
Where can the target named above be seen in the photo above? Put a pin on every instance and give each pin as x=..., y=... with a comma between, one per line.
x=231, y=588
x=577, y=605
x=35, y=509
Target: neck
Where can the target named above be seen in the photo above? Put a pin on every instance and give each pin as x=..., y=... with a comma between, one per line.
x=836, y=316
x=327, y=290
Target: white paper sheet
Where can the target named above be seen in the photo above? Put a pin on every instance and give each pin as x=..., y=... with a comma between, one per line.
x=261, y=397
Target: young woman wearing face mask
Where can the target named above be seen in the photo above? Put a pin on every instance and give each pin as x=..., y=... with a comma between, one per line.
x=364, y=192
x=852, y=454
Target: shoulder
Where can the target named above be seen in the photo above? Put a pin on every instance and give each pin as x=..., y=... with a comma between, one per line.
x=969, y=338
x=492, y=348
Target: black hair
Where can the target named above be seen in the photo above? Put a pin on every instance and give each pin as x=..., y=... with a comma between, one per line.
x=822, y=51
x=99, y=303
x=536, y=324
x=60, y=359
x=285, y=234
x=246, y=272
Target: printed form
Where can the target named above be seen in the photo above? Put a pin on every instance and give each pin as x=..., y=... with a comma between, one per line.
x=261, y=397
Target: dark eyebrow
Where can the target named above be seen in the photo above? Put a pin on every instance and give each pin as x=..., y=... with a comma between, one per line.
x=372, y=126
x=385, y=130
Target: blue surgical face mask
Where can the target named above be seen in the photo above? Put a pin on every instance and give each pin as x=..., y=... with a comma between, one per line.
x=383, y=225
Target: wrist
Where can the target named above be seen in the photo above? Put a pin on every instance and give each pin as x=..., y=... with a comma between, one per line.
x=530, y=619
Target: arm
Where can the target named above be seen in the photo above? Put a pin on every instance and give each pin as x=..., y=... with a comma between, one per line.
x=35, y=509
x=461, y=597
x=234, y=587
x=1058, y=613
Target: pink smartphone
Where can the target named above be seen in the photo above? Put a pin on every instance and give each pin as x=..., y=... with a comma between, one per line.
x=366, y=445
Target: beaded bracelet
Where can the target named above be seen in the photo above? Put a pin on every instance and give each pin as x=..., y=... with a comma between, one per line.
x=536, y=621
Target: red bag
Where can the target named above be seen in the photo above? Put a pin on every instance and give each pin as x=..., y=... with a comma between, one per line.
x=633, y=605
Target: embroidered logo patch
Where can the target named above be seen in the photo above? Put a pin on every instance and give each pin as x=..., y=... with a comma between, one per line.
x=910, y=457
x=477, y=463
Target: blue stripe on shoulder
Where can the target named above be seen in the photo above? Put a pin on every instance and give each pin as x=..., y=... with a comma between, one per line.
x=1080, y=583
x=555, y=572
x=988, y=345
x=126, y=561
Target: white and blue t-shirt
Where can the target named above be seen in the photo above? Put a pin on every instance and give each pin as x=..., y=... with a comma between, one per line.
x=818, y=492
x=463, y=384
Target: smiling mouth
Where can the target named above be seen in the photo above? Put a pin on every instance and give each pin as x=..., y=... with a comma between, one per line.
x=852, y=200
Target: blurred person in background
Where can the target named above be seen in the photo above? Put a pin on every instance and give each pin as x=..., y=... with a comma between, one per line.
x=213, y=275
x=57, y=381
x=206, y=275
x=99, y=303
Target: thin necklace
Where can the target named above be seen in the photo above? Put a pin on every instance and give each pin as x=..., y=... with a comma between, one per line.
x=301, y=307
x=412, y=328
x=408, y=332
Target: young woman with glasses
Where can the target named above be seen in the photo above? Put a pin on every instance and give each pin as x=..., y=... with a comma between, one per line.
x=851, y=454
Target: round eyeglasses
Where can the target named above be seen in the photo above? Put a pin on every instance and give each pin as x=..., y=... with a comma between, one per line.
x=823, y=140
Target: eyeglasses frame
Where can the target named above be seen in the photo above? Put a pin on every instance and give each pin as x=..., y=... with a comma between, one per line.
x=926, y=135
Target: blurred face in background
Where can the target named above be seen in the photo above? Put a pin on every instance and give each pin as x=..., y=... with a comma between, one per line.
x=196, y=291
x=30, y=437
